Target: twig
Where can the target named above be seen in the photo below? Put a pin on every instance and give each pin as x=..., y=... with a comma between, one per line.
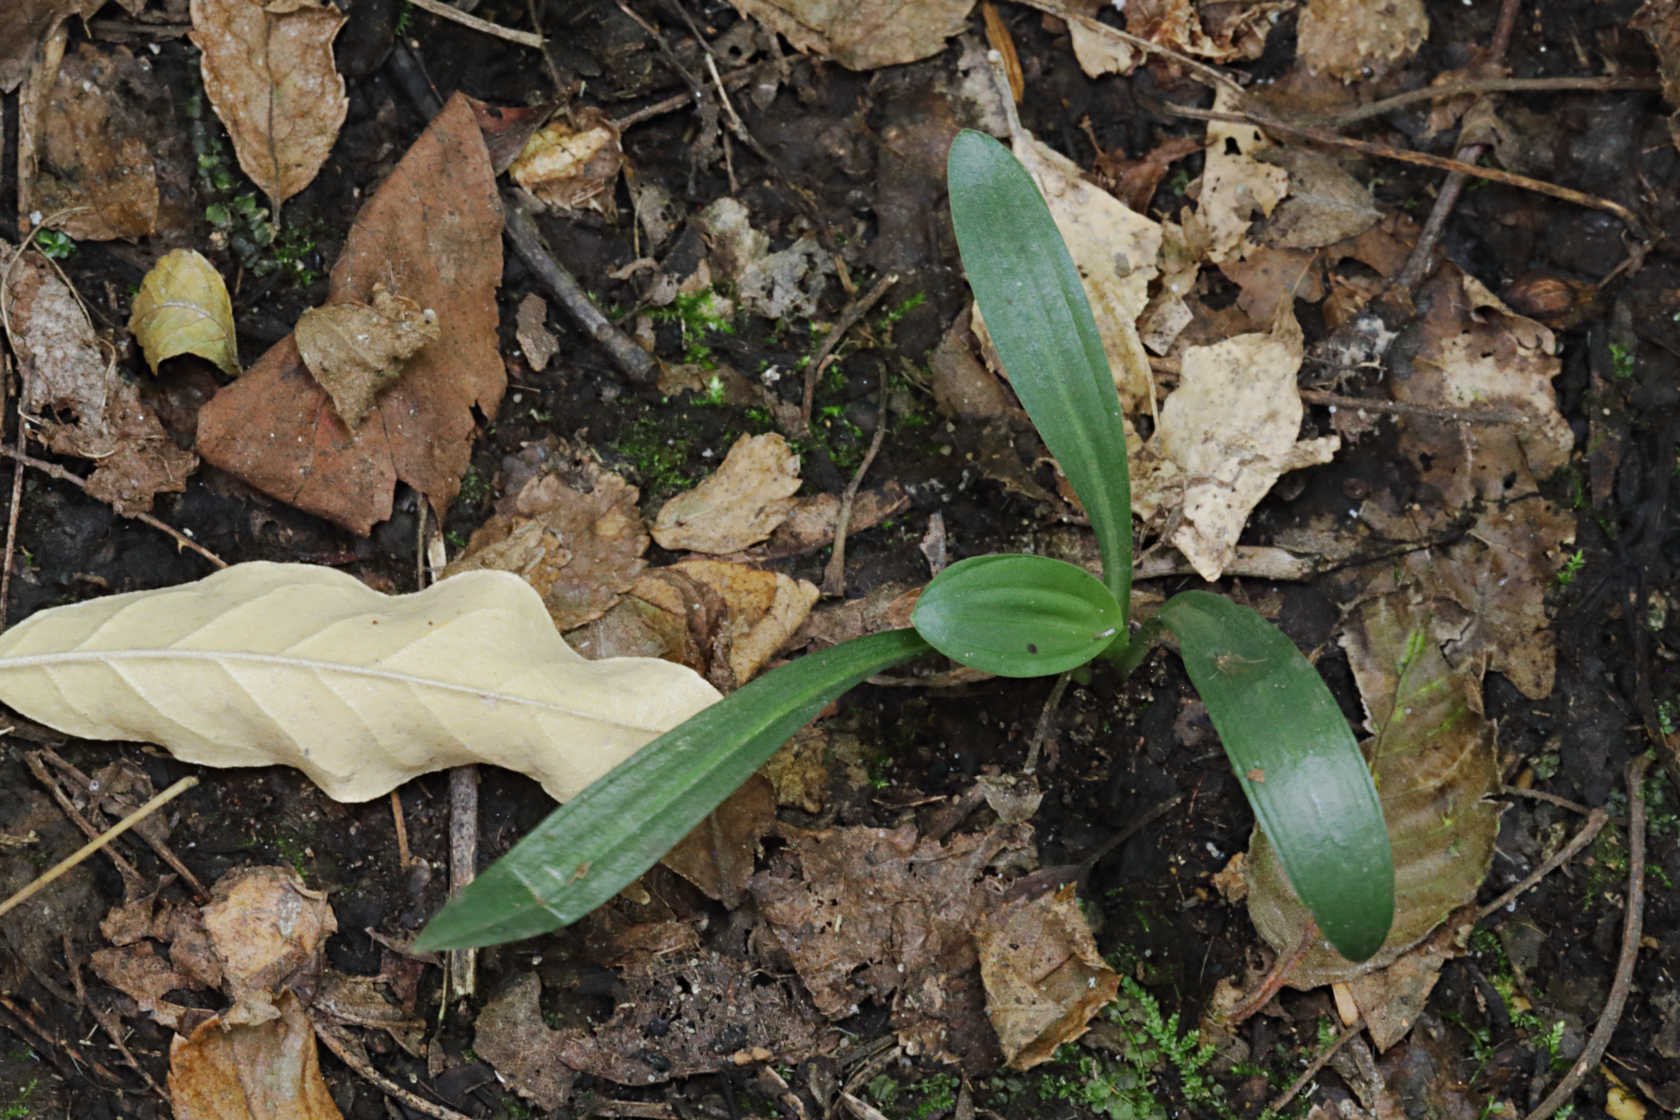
x=105, y=838
x=1274, y=979
x=1549, y=798
x=1200, y=69
x=131, y=874
x=834, y=574
x=523, y=235
x=52, y=470
x=1632, y=921
x=328, y=1034
x=1404, y=408
x=1483, y=85
x=1045, y=716
x=854, y=311
x=404, y=856
x=1583, y=837
x=463, y=864
x=1318, y=1063
x=163, y=850
x=444, y=11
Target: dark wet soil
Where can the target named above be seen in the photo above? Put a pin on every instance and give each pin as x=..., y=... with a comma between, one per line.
x=856, y=164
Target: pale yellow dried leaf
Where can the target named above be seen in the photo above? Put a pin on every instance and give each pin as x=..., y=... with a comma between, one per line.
x=572, y=164
x=739, y=505
x=862, y=34
x=264, y=664
x=1236, y=186
x=268, y=72
x=354, y=350
x=183, y=308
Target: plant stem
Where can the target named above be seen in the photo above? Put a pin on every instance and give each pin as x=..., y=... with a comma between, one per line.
x=1127, y=658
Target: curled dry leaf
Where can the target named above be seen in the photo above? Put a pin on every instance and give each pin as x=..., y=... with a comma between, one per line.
x=267, y=1071
x=862, y=34
x=1432, y=756
x=354, y=349
x=81, y=406
x=268, y=72
x=183, y=308
x=573, y=164
x=263, y=664
x=269, y=932
x=739, y=505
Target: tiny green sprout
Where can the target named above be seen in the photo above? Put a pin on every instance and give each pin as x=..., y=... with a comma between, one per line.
x=1621, y=362
x=54, y=244
x=1011, y=615
x=1572, y=565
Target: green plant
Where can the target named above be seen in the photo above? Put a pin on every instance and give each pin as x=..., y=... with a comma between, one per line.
x=1572, y=565
x=55, y=244
x=1621, y=362
x=1013, y=615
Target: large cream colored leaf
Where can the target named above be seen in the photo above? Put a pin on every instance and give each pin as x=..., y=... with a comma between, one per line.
x=304, y=666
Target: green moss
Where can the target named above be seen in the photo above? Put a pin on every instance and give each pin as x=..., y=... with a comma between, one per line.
x=659, y=452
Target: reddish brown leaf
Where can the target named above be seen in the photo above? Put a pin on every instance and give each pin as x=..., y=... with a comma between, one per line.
x=432, y=232
x=268, y=72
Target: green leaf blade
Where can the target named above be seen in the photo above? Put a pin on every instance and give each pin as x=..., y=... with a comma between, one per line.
x=1034, y=304
x=1017, y=615
x=591, y=847
x=1298, y=764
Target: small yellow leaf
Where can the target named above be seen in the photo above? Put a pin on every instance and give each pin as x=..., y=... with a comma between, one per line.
x=183, y=308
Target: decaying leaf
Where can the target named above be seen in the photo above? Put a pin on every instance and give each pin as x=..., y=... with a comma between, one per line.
x=263, y=664
x=572, y=164
x=1660, y=21
x=268, y=72
x=78, y=402
x=267, y=1071
x=1432, y=756
x=572, y=531
x=183, y=308
x=269, y=933
x=1355, y=39
x=862, y=34
x=1226, y=434
x=1044, y=976
x=433, y=233
x=789, y=282
x=719, y=854
x=738, y=505
x=354, y=350
x=536, y=341
x=1237, y=186
x=1210, y=31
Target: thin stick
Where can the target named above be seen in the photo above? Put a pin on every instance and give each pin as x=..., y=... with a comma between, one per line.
x=404, y=857
x=1274, y=979
x=463, y=864
x=94, y=845
x=854, y=311
x=1404, y=408
x=1550, y=798
x=1207, y=73
x=1583, y=837
x=439, y=8
x=1485, y=85
x=1046, y=716
x=52, y=470
x=834, y=574
x=1632, y=921
x=1318, y=1063
x=329, y=1035
x=163, y=850
x=131, y=875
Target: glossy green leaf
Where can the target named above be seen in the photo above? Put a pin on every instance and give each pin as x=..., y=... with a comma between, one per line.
x=1035, y=309
x=594, y=845
x=1017, y=616
x=1298, y=764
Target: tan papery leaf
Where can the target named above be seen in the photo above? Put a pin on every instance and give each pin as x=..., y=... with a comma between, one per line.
x=355, y=349
x=263, y=664
x=268, y=72
x=183, y=308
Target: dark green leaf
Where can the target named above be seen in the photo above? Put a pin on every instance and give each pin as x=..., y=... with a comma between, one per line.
x=1040, y=322
x=1017, y=616
x=588, y=849
x=1298, y=764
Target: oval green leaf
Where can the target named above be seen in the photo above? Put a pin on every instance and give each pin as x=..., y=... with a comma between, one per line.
x=1018, y=616
x=1035, y=309
x=1298, y=764
x=597, y=843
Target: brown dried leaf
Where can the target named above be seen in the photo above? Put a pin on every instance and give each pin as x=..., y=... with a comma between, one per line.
x=719, y=854
x=268, y=72
x=1435, y=766
x=535, y=339
x=183, y=308
x=267, y=1071
x=84, y=407
x=1198, y=29
x=573, y=165
x=433, y=232
x=1044, y=976
x=95, y=165
x=763, y=609
x=738, y=505
x=1660, y=21
x=270, y=932
x=1358, y=39
x=354, y=350
x=23, y=26
x=572, y=531
x=862, y=34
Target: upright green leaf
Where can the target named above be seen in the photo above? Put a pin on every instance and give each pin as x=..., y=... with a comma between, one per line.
x=1017, y=616
x=1040, y=322
x=1298, y=764
x=591, y=847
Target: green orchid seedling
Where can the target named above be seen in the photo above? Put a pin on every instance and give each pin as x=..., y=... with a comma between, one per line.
x=1012, y=615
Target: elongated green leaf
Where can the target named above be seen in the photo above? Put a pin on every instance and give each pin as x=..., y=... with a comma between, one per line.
x=1040, y=322
x=591, y=847
x=1017, y=616
x=1298, y=764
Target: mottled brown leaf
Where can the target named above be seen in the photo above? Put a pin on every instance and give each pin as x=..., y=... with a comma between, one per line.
x=355, y=349
x=268, y=72
x=862, y=34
